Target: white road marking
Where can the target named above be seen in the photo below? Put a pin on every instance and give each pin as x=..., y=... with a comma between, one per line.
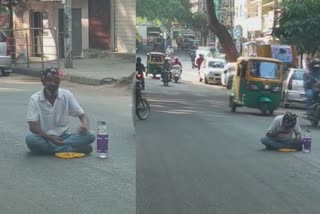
x=10, y=89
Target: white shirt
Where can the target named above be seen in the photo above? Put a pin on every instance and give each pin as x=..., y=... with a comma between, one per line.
x=54, y=119
x=276, y=126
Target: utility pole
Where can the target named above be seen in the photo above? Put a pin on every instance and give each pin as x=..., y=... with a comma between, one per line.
x=68, y=34
x=11, y=35
x=275, y=20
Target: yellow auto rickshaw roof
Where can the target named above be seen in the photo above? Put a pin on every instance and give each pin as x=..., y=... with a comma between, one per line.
x=247, y=58
x=156, y=53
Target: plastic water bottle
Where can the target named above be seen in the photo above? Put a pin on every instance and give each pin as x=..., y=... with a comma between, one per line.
x=307, y=141
x=102, y=140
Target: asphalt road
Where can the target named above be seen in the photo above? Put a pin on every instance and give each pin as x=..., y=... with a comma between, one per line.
x=48, y=185
x=195, y=156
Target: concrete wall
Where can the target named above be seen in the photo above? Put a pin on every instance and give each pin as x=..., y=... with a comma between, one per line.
x=125, y=25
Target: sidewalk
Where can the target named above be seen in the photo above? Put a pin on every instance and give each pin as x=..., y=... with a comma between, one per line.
x=114, y=68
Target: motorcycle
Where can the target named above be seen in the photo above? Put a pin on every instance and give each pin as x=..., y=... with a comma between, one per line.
x=142, y=105
x=314, y=115
x=176, y=72
x=166, y=77
x=139, y=76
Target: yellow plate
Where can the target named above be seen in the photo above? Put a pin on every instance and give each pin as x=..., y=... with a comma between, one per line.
x=69, y=155
x=287, y=150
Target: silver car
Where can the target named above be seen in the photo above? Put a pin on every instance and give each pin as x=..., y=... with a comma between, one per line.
x=228, y=73
x=292, y=90
x=5, y=55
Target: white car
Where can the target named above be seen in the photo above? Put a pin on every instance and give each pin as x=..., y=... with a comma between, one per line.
x=292, y=88
x=211, y=70
x=5, y=55
x=228, y=72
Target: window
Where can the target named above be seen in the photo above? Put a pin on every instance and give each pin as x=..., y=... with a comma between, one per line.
x=298, y=75
x=268, y=70
x=215, y=64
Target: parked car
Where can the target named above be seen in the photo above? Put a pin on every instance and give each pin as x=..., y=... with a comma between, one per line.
x=5, y=55
x=229, y=70
x=211, y=70
x=292, y=89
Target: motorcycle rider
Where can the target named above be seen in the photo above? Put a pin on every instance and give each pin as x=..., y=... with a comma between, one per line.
x=140, y=69
x=177, y=62
x=310, y=83
x=169, y=50
x=193, y=57
x=166, y=67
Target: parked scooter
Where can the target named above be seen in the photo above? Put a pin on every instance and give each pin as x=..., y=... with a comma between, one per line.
x=176, y=72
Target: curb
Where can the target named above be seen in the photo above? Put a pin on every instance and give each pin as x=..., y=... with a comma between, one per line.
x=75, y=78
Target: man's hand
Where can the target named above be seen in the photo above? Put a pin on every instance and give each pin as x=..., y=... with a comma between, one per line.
x=56, y=140
x=83, y=129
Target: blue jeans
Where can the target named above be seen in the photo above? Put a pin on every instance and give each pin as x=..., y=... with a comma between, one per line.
x=276, y=144
x=39, y=145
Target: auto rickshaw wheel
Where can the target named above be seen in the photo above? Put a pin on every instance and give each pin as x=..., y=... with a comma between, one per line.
x=233, y=107
x=146, y=74
x=264, y=108
x=154, y=75
x=271, y=112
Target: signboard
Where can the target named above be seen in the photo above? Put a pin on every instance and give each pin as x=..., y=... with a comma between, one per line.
x=282, y=53
x=6, y=2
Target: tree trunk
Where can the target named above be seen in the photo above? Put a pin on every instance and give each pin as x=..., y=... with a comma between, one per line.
x=205, y=38
x=221, y=32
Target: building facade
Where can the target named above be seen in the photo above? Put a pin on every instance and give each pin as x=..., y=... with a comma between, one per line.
x=106, y=25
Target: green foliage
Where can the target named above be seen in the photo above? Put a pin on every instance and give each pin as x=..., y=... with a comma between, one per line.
x=199, y=21
x=167, y=11
x=299, y=24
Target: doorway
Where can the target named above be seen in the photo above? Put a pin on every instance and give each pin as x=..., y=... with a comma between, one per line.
x=36, y=33
x=99, y=24
x=76, y=32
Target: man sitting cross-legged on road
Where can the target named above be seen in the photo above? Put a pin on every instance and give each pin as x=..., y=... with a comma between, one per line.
x=47, y=115
x=279, y=134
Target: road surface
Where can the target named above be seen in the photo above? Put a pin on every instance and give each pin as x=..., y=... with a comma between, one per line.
x=195, y=156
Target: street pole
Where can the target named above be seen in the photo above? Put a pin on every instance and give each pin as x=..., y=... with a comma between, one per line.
x=68, y=34
x=11, y=35
x=275, y=19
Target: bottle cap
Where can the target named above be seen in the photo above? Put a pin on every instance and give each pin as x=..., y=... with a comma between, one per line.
x=101, y=122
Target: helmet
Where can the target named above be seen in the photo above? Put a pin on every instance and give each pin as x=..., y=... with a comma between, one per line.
x=176, y=58
x=138, y=59
x=314, y=65
x=289, y=119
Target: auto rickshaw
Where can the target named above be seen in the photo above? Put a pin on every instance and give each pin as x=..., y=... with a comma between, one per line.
x=257, y=84
x=155, y=61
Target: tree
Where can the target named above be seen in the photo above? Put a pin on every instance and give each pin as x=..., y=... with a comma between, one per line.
x=167, y=11
x=199, y=23
x=299, y=24
x=221, y=32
